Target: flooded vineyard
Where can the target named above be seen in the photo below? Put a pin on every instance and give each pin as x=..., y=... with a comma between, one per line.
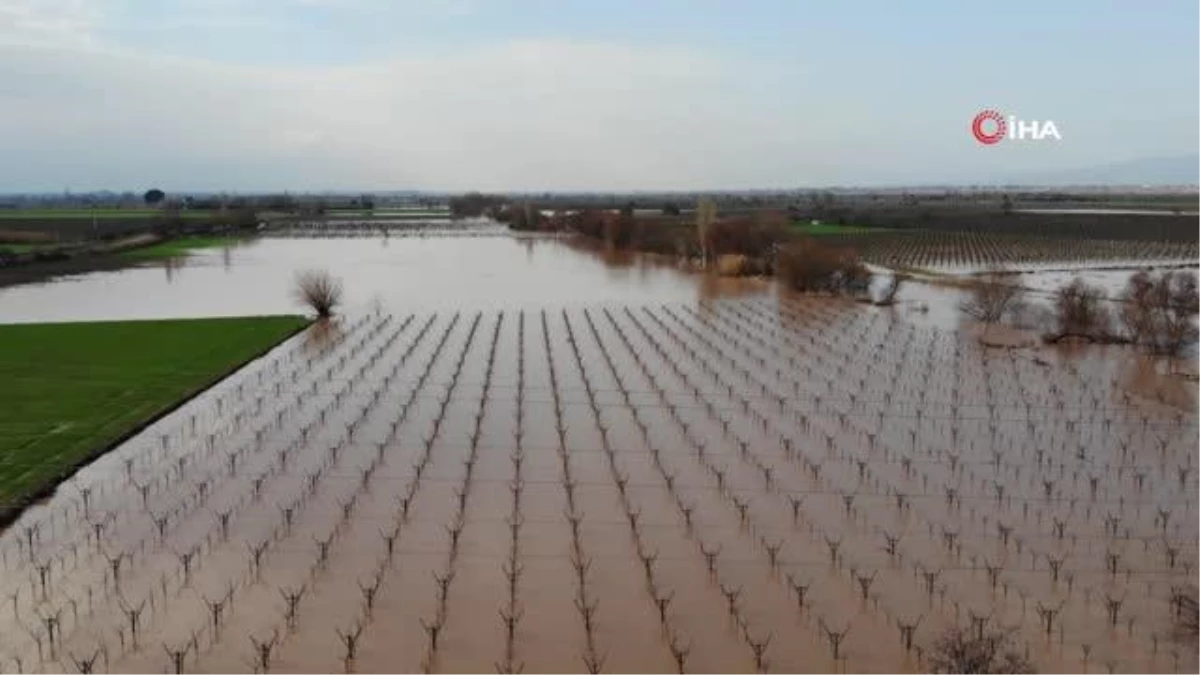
x=977, y=251
x=726, y=485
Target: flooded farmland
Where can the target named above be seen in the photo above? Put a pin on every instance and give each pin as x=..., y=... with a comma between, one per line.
x=517, y=454
x=472, y=268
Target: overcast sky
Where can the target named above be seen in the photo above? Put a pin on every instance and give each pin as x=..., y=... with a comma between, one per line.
x=563, y=94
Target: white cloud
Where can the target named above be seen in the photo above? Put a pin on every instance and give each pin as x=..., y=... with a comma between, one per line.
x=48, y=22
x=531, y=114
x=81, y=108
x=361, y=8
x=524, y=114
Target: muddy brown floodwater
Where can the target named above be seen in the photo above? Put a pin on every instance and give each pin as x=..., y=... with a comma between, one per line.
x=700, y=484
x=474, y=268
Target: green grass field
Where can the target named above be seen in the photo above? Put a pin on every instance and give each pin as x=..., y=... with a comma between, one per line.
x=386, y=213
x=820, y=228
x=72, y=389
x=23, y=248
x=88, y=214
x=181, y=246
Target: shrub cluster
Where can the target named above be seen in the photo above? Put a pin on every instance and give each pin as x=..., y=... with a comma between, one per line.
x=805, y=265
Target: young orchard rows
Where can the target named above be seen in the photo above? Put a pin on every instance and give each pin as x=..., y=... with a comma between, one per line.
x=733, y=486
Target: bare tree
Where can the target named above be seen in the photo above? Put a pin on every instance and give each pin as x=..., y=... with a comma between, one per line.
x=706, y=215
x=1158, y=311
x=806, y=265
x=977, y=650
x=1186, y=612
x=991, y=298
x=1080, y=311
x=1180, y=305
x=1135, y=313
x=320, y=291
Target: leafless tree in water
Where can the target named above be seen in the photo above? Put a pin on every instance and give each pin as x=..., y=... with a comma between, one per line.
x=1159, y=311
x=320, y=290
x=1080, y=311
x=991, y=298
x=961, y=650
x=1186, y=611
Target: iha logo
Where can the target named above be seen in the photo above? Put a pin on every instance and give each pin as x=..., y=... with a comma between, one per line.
x=990, y=127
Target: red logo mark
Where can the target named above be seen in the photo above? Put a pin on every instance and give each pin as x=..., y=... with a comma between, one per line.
x=998, y=127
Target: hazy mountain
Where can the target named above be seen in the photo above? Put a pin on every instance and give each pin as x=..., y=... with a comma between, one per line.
x=1177, y=170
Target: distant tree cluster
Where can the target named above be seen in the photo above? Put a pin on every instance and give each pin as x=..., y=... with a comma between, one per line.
x=475, y=204
x=755, y=236
x=522, y=217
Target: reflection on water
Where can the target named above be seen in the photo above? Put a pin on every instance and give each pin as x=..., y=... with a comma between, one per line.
x=170, y=266
x=836, y=383
x=321, y=336
x=395, y=274
x=1143, y=376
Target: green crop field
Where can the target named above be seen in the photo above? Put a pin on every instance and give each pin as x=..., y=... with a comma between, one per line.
x=88, y=214
x=73, y=389
x=821, y=228
x=177, y=247
x=22, y=248
x=386, y=213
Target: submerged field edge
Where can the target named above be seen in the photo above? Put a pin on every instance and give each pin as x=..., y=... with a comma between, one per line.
x=9, y=514
x=181, y=246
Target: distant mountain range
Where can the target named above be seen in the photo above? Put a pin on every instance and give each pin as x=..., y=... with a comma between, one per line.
x=1178, y=170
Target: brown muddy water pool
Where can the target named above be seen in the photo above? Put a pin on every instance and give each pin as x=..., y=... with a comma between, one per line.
x=531, y=458
x=404, y=272
x=475, y=267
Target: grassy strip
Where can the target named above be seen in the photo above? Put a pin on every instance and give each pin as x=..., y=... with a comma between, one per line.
x=88, y=214
x=74, y=390
x=820, y=228
x=22, y=248
x=181, y=246
x=384, y=215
